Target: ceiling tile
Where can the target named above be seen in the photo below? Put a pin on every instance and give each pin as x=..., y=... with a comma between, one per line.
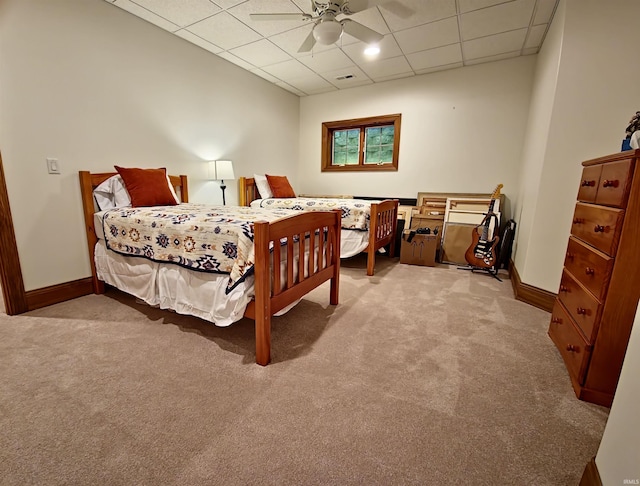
x=544, y=11
x=225, y=31
x=288, y=69
x=226, y=3
x=322, y=62
x=388, y=48
x=236, y=60
x=494, y=44
x=469, y=5
x=181, y=12
x=264, y=75
x=261, y=53
x=387, y=67
x=194, y=39
x=311, y=84
x=439, y=56
x=497, y=19
x=428, y=36
x=382, y=79
x=422, y=11
x=498, y=57
x=267, y=27
x=145, y=14
x=440, y=68
x=357, y=77
x=536, y=34
x=290, y=88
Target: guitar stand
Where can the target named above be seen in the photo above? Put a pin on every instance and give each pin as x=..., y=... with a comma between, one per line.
x=491, y=271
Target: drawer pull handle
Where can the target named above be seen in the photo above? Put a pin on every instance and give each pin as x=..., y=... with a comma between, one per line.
x=570, y=256
x=601, y=229
x=589, y=271
x=581, y=311
x=608, y=183
x=572, y=348
x=564, y=289
x=578, y=220
x=587, y=183
x=556, y=320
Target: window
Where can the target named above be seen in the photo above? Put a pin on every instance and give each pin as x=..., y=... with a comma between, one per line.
x=361, y=144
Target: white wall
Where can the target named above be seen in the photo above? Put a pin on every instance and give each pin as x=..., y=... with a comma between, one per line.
x=618, y=456
x=94, y=86
x=596, y=94
x=537, y=134
x=462, y=131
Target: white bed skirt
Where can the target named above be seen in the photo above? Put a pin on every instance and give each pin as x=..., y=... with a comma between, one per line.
x=173, y=287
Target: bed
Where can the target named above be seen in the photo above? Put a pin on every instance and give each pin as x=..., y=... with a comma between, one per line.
x=380, y=218
x=309, y=256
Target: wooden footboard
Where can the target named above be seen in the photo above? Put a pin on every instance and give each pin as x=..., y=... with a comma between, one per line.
x=303, y=233
x=382, y=230
x=384, y=217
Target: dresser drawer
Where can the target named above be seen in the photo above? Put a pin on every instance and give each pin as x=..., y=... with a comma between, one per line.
x=575, y=351
x=589, y=266
x=599, y=226
x=615, y=183
x=583, y=307
x=589, y=183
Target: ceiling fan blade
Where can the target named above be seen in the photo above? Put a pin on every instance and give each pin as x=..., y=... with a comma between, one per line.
x=361, y=32
x=353, y=6
x=279, y=16
x=308, y=43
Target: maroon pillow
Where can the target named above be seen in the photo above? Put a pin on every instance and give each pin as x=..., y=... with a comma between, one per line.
x=280, y=186
x=147, y=187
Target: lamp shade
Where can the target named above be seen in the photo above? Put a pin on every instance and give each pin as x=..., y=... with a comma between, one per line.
x=220, y=170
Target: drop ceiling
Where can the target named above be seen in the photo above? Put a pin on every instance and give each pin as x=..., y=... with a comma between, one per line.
x=420, y=36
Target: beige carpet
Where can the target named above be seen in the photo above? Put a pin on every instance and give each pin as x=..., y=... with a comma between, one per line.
x=421, y=376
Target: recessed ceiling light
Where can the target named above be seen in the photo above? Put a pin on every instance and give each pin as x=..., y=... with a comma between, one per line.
x=372, y=51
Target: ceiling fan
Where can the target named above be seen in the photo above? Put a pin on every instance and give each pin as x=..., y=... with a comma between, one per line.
x=327, y=29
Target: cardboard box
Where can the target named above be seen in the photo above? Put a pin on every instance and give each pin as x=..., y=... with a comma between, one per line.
x=421, y=250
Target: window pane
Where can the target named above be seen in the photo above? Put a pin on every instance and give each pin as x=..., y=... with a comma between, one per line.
x=372, y=155
x=352, y=157
x=373, y=136
x=386, y=155
x=339, y=158
x=387, y=135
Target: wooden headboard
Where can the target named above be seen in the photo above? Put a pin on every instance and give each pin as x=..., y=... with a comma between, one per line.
x=248, y=190
x=88, y=182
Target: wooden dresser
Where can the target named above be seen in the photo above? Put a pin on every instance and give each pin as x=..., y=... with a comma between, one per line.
x=595, y=308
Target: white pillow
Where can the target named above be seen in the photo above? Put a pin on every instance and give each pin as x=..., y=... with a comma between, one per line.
x=263, y=186
x=112, y=194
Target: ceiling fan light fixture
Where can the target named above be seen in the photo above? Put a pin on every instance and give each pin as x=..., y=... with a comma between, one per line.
x=327, y=32
x=372, y=50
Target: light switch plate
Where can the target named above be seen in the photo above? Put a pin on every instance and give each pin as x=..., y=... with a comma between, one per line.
x=53, y=166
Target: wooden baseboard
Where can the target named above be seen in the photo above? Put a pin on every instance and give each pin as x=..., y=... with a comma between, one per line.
x=58, y=293
x=591, y=476
x=542, y=299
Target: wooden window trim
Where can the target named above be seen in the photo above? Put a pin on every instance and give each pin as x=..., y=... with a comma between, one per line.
x=327, y=142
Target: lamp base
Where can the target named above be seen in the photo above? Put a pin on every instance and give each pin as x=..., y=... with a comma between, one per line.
x=223, y=187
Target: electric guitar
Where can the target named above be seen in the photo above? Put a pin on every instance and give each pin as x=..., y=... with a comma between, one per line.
x=482, y=252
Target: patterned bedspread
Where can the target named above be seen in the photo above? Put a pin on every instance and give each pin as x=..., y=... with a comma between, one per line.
x=215, y=239
x=356, y=213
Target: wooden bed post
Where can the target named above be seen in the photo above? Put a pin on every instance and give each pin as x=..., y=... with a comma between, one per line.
x=334, y=291
x=263, y=293
x=86, y=189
